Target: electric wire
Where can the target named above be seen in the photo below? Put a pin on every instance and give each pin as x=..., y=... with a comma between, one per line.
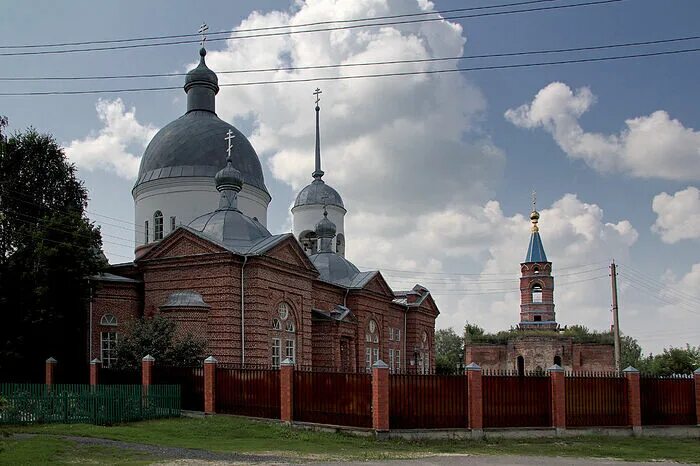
x=328, y=29
x=362, y=76
x=642, y=275
x=375, y=63
x=663, y=289
x=267, y=28
x=644, y=289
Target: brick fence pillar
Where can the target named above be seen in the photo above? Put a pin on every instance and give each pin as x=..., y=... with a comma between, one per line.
x=95, y=366
x=475, y=401
x=50, y=372
x=287, y=391
x=696, y=376
x=380, y=397
x=210, y=385
x=634, y=400
x=558, y=387
x=147, y=370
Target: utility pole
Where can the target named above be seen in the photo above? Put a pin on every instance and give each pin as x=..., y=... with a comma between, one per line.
x=616, y=319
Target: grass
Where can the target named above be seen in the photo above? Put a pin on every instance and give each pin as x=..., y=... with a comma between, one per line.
x=230, y=434
x=47, y=450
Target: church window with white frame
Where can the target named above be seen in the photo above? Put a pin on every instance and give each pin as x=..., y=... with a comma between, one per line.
x=283, y=334
x=536, y=293
x=371, y=344
x=108, y=346
x=157, y=225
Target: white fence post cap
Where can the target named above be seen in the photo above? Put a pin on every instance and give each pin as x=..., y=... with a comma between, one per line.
x=51, y=360
x=472, y=366
x=96, y=361
x=630, y=370
x=148, y=357
x=555, y=368
x=287, y=362
x=210, y=360
x=380, y=364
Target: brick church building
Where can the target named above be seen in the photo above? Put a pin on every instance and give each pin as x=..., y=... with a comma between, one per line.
x=538, y=342
x=205, y=258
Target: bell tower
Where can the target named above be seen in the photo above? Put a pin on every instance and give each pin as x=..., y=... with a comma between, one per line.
x=536, y=283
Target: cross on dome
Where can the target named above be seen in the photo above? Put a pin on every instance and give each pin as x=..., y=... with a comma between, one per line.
x=203, y=32
x=229, y=137
x=318, y=93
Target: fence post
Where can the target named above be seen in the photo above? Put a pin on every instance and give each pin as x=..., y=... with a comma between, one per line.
x=50, y=372
x=287, y=391
x=558, y=387
x=380, y=397
x=210, y=385
x=634, y=401
x=696, y=376
x=95, y=366
x=475, y=401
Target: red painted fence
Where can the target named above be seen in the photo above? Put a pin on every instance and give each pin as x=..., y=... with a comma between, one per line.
x=333, y=398
x=190, y=380
x=517, y=401
x=668, y=401
x=596, y=401
x=428, y=401
x=248, y=391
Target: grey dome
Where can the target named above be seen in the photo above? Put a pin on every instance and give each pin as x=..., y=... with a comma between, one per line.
x=318, y=193
x=334, y=268
x=325, y=228
x=194, y=145
x=228, y=178
x=230, y=227
x=202, y=74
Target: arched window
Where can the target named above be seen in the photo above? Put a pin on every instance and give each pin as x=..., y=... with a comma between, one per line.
x=157, y=225
x=424, y=355
x=536, y=293
x=108, y=340
x=536, y=269
x=371, y=344
x=108, y=319
x=521, y=366
x=309, y=242
x=557, y=361
x=340, y=244
x=283, y=335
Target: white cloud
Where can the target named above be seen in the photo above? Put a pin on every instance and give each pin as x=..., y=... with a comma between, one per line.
x=652, y=146
x=383, y=139
x=677, y=215
x=110, y=148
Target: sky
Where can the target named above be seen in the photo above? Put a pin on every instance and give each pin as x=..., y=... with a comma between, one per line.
x=436, y=170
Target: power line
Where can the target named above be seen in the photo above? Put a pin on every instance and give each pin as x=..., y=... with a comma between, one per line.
x=378, y=75
x=643, y=288
x=663, y=289
x=643, y=275
x=355, y=26
x=268, y=28
x=346, y=65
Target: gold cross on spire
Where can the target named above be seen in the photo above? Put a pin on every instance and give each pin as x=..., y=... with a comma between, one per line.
x=229, y=137
x=534, y=200
x=318, y=93
x=203, y=31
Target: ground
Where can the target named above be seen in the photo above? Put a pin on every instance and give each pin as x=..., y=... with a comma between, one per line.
x=224, y=439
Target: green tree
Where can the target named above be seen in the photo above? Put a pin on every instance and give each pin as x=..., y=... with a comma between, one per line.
x=449, y=351
x=673, y=361
x=47, y=249
x=630, y=352
x=157, y=337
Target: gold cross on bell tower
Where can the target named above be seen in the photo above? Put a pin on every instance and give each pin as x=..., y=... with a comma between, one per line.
x=203, y=32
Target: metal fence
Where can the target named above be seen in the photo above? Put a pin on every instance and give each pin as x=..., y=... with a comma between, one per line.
x=248, y=391
x=428, y=401
x=667, y=401
x=100, y=404
x=516, y=401
x=111, y=376
x=333, y=398
x=596, y=401
x=189, y=379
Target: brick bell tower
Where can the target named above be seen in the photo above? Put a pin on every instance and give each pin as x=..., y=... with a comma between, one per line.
x=536, y=284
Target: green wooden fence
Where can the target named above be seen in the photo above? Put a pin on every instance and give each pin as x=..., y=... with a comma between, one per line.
x=100, y=404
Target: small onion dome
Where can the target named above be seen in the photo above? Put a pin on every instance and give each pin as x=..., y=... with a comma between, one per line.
x=325, y=228
x=202, y=75
x=229, y=178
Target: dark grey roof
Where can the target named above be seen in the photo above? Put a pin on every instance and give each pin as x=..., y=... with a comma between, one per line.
x=334, y=268
x=339, y=313
x=185, y=299
x=253, y=248
x=110, y=277
x=318, y=192
x=230, y=227
x=194, y=145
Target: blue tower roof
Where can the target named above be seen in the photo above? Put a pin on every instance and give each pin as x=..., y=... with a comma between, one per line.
x=535, y=251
